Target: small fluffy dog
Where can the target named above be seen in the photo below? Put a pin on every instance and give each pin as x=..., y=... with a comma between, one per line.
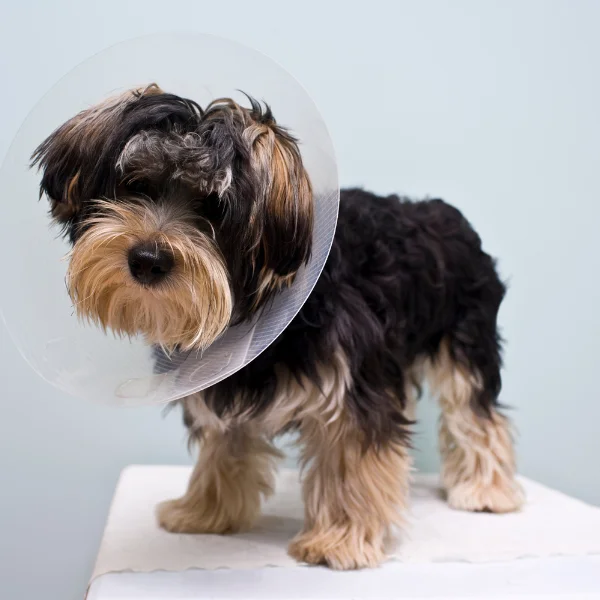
x=185, y=221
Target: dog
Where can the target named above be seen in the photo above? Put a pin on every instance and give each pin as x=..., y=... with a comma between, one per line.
x=185, y=221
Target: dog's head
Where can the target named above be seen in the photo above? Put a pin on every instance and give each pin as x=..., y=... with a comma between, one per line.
x=182, y=220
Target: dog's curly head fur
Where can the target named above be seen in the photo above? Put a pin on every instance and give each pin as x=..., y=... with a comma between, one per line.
x=183, y=220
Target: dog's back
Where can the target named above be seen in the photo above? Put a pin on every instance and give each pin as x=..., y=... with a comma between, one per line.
x=402, y=277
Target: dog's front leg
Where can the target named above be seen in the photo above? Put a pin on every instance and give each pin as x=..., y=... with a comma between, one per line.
x=353, y=494
x=233, y=473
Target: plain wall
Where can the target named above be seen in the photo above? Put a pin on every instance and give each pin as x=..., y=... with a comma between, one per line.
x=490, y=105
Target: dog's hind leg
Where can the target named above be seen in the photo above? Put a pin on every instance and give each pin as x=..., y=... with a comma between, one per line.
x=478, y=461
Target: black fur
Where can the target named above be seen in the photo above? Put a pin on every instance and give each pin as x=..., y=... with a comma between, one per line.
x=401, y=277
x=93, y=158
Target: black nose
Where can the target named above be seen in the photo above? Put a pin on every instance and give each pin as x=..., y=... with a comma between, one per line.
x=149, y=263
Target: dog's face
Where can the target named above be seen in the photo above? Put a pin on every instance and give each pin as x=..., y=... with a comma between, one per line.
x=182, y=220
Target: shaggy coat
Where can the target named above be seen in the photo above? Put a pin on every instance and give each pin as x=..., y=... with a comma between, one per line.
x=185, y=221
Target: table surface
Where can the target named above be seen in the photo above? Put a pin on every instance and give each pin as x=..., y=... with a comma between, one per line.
x=566, y=578
x=558, y=554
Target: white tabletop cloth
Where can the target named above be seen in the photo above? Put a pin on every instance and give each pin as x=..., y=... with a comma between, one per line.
x=514, y=553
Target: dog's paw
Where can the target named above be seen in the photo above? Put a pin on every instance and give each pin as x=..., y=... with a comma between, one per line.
x=177, y=516
x=341, y=554
x=476, y=497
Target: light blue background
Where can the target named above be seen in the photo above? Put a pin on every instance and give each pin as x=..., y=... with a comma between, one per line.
x=491, y=105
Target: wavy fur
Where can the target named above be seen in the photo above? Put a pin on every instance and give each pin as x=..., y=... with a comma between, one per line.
x=407, y=294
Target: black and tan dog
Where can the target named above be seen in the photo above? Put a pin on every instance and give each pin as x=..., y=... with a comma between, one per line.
x=185, y=221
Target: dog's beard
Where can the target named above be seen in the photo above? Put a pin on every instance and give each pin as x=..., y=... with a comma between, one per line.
x=188, y=310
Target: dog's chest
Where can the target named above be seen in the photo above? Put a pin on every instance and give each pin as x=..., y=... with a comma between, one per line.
x=295, y=400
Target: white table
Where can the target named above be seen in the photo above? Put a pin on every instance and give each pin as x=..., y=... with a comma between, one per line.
x=551, y=578
x=132, y=541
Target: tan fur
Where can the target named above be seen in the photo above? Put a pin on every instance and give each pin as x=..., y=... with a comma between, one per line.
x=294, y=401
x=233, y=474
x=63, y=211
x=190, y=309
x=205, y=419
x=352, y=495
x=412, y=388
x=288, y=198
x=302, y=401
x=269, y=281
x=478, y=469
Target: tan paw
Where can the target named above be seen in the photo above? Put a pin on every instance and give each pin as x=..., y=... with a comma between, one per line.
x=345, y=554
x=498, y=498
x=177, y=516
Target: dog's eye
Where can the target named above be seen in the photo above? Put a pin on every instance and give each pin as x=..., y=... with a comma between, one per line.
x=141, y=187
x=212, y=207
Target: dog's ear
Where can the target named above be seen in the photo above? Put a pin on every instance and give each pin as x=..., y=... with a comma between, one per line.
x=283, y=219
x=267, y=197
x=79, y=159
